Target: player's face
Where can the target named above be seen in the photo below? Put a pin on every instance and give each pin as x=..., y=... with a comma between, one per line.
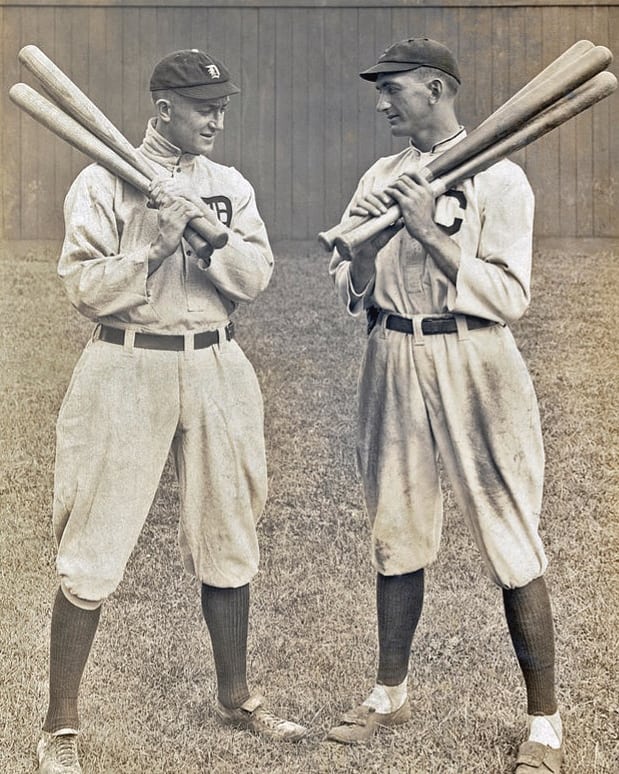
x=194, y=124
x=403, y=99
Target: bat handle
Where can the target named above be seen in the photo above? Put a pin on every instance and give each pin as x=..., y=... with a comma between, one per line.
x=213, y=233
x=327, y=238
x=348, y=242
x=201, y=247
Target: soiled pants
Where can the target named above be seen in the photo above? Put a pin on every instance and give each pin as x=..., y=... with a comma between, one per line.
x=124, y=411
x=467, y=397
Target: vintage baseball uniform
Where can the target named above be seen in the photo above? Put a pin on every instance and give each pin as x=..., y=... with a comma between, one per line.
x=465, y=396
x=127, y=406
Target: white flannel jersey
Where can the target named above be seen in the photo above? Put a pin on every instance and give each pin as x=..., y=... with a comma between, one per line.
x=491, y=216
x=109, y=229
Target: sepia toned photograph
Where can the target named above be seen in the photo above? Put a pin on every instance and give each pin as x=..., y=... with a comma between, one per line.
x=308, y=365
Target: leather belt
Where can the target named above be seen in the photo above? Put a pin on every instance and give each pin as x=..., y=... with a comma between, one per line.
x=163, y=341
x=434, y=325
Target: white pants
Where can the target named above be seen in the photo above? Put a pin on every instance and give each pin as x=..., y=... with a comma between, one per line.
x=124, y=411
x=467, y=397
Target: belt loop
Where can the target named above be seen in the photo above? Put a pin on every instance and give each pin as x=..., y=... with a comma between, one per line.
x=188, y=336
x=382, y=323
x=129, y=341
x=463, y=328
x=222, y=336
x=96, y=334
x=418, y=337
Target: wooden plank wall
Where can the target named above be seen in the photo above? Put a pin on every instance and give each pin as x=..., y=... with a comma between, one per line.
x=305, y=127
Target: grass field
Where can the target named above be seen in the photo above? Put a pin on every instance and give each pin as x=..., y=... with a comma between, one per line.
x=147, y=699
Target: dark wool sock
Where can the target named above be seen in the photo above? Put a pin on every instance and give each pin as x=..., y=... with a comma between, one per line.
x=529, y=619
x=226, y=612
x=72, y=633
x=399, y=600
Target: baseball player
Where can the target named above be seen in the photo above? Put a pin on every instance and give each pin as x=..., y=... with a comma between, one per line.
x=441, y=376
x=162, y=372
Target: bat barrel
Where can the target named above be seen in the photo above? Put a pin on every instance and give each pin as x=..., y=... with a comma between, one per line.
x=558, y=65
x=562, y=78
x=584, y=96
x=75, y=103
x=521, y=110
x=71, y=131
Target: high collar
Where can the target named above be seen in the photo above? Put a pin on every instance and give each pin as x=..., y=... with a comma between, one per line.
x=442, y=145
x=159, y=149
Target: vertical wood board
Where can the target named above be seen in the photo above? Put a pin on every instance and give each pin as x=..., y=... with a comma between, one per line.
x=305, y=126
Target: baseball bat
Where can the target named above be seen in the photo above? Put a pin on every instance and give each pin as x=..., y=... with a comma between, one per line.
x=67, y=128
x=562, y=62
x=504, y=122
x=78, y=105
x=572, y=68
x=587, y=94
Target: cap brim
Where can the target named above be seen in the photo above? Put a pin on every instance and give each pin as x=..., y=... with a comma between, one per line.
x=372, y=73
x=209, y=90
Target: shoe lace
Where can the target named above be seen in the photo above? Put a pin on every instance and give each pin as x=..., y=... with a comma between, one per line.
x=268, y=719
x=66, y=749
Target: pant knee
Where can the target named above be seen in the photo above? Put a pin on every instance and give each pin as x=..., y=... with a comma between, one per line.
x=84, y=604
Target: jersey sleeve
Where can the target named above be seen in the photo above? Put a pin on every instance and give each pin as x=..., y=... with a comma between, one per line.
x=242, y=269
x=98, y=279
x=353, y=298
x=493, y=281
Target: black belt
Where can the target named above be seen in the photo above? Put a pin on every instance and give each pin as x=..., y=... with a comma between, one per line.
x=164, y=341
x=433, y=325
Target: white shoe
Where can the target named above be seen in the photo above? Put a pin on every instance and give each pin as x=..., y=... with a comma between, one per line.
x=57, y=753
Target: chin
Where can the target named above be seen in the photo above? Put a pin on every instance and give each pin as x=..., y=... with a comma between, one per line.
x=199, y=148
x=399, y=130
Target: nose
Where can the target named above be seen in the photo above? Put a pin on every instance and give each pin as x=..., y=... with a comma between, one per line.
x=383, y=103
x=216, y=123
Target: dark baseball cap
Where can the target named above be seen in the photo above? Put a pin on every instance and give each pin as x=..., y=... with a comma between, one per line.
x=412, y=54
x=194, y=74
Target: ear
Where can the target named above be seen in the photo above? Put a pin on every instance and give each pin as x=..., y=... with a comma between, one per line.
x=436, y=88
x=163, y=108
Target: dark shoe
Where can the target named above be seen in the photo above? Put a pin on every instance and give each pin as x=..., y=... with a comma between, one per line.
x=254, y=717
x=57, y=754
x=361, y=723
x=537, y=758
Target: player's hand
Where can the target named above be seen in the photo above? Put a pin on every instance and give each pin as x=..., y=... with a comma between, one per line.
x=173, y=217
x=415, y=197
x=163, y=189
x=363, y=257
x=373, y=204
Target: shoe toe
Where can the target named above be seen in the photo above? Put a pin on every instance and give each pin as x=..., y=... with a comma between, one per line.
x=537, y=758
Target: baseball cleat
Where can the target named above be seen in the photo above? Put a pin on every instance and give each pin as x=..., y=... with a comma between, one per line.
x=252, y=716
x=537, y=758
x=361, y=723
x=57, y=754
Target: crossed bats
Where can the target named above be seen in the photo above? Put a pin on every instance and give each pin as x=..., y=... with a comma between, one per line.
x=573, y=82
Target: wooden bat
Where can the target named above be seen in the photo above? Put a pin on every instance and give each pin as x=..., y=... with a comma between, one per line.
x=562, y=62
x=570, y=69
x=587, y=94
x=78, y=105
x=533, y=101
x=67, y=128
